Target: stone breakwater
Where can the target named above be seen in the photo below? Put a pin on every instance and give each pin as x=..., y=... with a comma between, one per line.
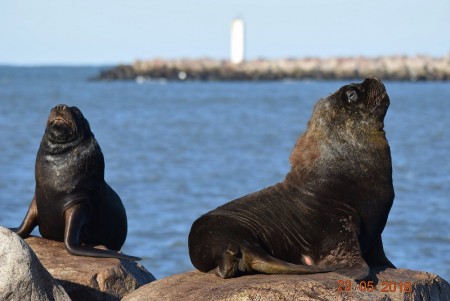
x=405, y=68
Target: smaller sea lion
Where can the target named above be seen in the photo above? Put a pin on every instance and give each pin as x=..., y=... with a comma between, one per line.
x=72, y=201
x=330, y=210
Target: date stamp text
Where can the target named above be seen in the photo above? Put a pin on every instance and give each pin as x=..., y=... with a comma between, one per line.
x=368, y=286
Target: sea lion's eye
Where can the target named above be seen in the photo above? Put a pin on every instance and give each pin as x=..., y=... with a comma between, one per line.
x=352, y=96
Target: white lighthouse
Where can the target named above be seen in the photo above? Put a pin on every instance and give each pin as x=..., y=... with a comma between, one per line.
x=237, y=41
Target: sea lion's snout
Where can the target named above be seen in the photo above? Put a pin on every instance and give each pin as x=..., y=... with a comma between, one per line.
x=376, y=96
x=60, y=113
x=61, y=107
x=373, y=79
x=374, y=88
x=61, y=124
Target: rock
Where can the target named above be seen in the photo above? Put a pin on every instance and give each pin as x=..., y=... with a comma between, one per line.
x=22, y=276
x=88, y=278
x=391, y=284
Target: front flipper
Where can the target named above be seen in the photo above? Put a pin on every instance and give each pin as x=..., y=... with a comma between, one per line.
x=75, y=217
x=376, y=255
x=29, y=222
x=358, y=270
x=347, y=252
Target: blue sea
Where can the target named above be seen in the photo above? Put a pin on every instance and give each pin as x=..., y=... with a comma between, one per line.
x=175, y=150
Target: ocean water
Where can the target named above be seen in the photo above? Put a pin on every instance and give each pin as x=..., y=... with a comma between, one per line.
x=174, y=151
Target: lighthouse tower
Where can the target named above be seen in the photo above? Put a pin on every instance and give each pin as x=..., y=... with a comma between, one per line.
x=237, y=41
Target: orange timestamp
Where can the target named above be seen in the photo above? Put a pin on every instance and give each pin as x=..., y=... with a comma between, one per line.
x=368, y=286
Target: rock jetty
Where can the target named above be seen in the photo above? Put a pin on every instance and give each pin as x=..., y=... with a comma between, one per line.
x=391, y=284
x=404, y=68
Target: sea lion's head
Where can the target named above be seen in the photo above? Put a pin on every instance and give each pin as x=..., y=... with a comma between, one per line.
x=346, y=126
x=66, y=124
x=354, y=108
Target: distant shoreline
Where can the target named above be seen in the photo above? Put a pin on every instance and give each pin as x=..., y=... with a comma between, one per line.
x=402, y=68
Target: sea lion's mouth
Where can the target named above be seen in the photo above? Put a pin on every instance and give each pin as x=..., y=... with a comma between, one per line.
x=57, y=120
x=61, y=122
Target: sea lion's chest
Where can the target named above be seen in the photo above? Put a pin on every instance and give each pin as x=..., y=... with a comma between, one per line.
x=62, y=180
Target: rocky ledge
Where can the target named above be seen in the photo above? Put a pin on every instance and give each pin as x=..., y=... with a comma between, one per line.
x=388, y=68
x=42, y=270
x=390, y=284
x=22, y=276
x=88, y=278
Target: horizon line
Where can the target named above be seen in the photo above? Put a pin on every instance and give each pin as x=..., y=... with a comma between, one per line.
x=105, y=64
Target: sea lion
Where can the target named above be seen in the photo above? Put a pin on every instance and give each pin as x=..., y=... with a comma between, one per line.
x=329, y=211
x=72, y=201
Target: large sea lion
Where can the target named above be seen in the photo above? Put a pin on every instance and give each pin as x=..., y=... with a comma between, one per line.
x=72, y=201
x=330, y=210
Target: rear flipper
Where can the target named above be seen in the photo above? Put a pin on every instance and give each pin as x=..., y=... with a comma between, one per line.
x=238, y=260
x=75, y=219
x=243, y=259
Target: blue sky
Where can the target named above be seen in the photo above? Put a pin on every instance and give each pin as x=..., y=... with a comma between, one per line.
x=111, y=31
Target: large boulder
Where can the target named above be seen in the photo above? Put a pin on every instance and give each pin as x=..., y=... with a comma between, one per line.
x=88, y=278
x=22, y=276
x=391, y=284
